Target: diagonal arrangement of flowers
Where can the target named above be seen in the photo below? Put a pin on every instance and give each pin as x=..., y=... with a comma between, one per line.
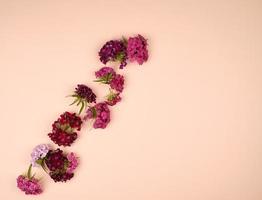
x=60, y=166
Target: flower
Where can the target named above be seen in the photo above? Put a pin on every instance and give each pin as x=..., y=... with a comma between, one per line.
x=63, y=132
x=63, y=138
x=137, y=49
x=29, y=186
x=55, y=160
x=39, y=152
x=83, y=95
x=114, y=50
x=113, y=98
x=61, y=177
x=117, y=83
x=73, y=162
x=61, y=166
x=105, y=71
x=101, y=113
x=86, y=93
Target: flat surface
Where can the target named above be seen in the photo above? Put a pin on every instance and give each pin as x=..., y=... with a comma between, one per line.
x=189, y=126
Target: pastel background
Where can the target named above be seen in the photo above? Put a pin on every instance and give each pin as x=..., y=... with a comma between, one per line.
x=189, y=126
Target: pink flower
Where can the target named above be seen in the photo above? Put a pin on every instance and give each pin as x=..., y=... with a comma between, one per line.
x=117, y=83
x=101, y=113
x=29, y=186
x=73, y=162
x=137, y=49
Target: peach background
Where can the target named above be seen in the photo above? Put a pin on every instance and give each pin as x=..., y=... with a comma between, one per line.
x=189, y=126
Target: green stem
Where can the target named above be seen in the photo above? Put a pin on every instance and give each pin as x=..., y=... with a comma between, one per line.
x=29, y=171
x=43, y=166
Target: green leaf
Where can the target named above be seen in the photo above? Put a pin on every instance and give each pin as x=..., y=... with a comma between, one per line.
x=82, y=107
x=80, y=100
x=76, y=100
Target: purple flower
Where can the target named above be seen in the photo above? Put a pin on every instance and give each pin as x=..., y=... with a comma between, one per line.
x=86, y=93
x=105, y=71
x=29, y=186
x=101, y=113
x=117, y=83
x=105, y=75
x=137, y=49
x=39, y=152
x=114, y=50
x=73, y=162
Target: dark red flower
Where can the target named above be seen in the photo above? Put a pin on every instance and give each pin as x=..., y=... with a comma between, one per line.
x=64, y=129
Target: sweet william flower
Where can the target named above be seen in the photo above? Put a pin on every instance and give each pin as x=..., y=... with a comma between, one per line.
x=114, y=50
x=101, y=113
x=39, y=152
x=64, y=129
x=28, y=183
x=29, y=186
x=86, y=93
x=105, y=71
x=61, y=166
x=117, y=83
x=55, y=160
x=137, y=49
x=73, y=162
x=83, y=95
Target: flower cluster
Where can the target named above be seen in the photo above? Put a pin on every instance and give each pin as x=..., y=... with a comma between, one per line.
x=60, y=168
x=137, y=49
x=107, y=75
x=39, y=152
x=59, y=165
x=83, y=95
x=64, y=129
x=100, y=113
x=114, y=50
x=29, y=185
x=131, y=49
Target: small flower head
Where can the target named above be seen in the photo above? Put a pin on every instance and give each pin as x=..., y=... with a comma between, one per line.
x=29, y=185
x=73, y=162
x=113, y=98
x=114, y=50
x=86, y=93
x=83, y=95
x=39, y=152
x=117, y=83
x=105, y=71
x=64, y=129
x=137, y=49
x=101, y=113
x=55, y=160
x=61, y=166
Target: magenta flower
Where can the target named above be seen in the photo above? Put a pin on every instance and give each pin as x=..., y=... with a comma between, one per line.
x=73, y=162
x=137, y=49
x=105, y=71
x=117, y=83
x=101, y=113
x=29, y=186
x=105, y=75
